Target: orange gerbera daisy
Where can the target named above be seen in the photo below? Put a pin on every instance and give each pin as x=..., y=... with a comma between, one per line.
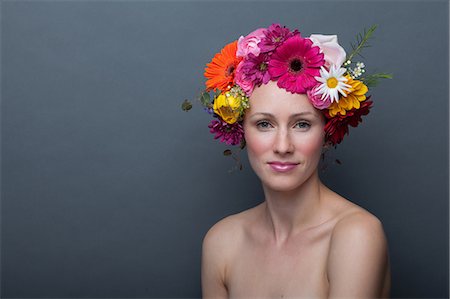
x=220, y=71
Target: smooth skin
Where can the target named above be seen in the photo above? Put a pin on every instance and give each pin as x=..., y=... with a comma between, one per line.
x=304, y=240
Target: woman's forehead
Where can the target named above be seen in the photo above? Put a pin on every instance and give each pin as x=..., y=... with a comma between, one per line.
x=269, y=98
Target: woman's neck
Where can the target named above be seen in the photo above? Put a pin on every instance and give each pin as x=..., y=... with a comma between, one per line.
x=289, y=213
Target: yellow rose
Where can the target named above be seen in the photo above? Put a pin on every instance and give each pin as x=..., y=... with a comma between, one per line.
x=227, y=107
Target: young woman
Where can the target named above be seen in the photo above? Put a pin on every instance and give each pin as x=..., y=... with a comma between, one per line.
x=304, y=240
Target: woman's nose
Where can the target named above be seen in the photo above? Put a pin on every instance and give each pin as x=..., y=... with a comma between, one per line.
x=283, y=143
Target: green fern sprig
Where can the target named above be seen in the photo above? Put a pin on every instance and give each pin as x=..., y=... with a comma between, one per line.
x=361, y=42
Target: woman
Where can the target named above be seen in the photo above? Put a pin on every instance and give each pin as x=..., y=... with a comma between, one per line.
x=304, y=240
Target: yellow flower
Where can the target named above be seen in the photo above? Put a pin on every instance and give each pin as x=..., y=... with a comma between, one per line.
x=354, y=97
x=228, y=107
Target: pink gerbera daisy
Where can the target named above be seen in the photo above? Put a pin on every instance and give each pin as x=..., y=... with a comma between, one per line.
x=295, y=63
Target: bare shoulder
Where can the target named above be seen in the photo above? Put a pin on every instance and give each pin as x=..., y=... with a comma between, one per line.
x=358, y=223
x=358, y=254
x=220, y=239
x=231, y=228
x=220, y=243
x=225, y=231
x=357, y=229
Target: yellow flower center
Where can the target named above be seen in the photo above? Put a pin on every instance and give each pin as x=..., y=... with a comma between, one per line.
x=332, y=82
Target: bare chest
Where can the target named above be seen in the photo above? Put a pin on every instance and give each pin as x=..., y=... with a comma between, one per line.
x=298, y=269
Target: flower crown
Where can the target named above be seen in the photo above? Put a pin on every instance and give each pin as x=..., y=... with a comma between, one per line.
x=316, y=66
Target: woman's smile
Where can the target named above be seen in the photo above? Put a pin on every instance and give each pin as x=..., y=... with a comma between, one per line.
x=282, y=167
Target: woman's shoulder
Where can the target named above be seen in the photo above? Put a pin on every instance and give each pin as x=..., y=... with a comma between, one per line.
x=230, y=227
x=357, y=219
x=226, y=227
x=358, y=244
x=353, y=223
x=229, y=232
x=358, y=227
x=349, y=214
x=357, y=223
x=221, y=243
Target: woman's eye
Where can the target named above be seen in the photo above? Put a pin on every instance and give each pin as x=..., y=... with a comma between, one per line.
x=263, y=124
x=303, y=125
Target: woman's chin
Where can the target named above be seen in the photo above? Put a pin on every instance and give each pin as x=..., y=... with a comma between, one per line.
x=282, y=184
x=285, y=182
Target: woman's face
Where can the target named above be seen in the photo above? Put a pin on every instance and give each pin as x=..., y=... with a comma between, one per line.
x=284, y=135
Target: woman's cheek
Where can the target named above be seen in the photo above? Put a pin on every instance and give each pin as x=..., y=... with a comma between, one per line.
x=257, y=142
x=313, y=145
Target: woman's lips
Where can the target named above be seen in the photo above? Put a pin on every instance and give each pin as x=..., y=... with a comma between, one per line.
x=282, y=166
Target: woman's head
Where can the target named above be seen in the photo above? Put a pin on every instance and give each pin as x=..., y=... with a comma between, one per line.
x=284, y=136
x=308, y=72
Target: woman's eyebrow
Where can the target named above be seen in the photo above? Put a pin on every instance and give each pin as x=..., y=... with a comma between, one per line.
x=291, y=116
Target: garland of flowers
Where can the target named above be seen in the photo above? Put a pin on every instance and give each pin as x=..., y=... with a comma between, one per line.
x=316, y=65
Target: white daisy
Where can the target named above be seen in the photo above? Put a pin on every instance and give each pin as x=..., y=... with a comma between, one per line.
x=332, y=83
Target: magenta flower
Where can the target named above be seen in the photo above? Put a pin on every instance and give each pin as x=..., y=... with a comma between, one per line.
x=275, y=35
x=242, y=80
x=295, y=63
x=252, y=72
x=231, y=134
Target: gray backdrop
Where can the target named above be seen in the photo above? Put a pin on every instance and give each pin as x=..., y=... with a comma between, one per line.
x=108, y=187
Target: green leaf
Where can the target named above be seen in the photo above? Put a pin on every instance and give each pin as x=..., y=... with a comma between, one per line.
x=186, y=105
x=372, y=80
x=227, y=152
x=205, y=99
x=242, y=145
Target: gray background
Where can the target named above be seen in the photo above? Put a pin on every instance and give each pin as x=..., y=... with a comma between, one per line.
x=108, y=187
